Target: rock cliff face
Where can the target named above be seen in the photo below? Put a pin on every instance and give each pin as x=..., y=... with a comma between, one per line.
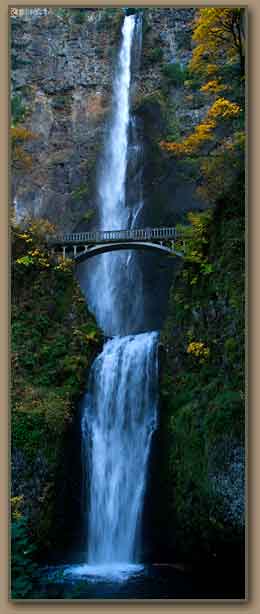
x=65, y=83
x=62, y=67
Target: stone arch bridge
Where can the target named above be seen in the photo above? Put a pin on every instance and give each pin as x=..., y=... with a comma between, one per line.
x=84, y=245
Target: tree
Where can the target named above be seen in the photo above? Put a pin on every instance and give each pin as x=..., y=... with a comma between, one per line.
x=217, y=143
x=220, y=111
x=220, y=38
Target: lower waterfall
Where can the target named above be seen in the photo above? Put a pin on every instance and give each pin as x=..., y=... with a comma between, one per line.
x=118, y=421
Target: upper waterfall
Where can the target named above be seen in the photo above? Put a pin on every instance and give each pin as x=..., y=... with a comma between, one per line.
x=111, y=186
x=117, y=277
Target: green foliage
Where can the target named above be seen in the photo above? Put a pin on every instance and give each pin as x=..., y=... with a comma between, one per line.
x=27, y=431
x=203, y=400
x=222, y=168
x=24, y=572
x=61, y=102
x=79, y=15
x=61, y=12
x=88, y=216
x=175, y=74
x=213, y=152
x=80, y=193
x=155, y=55
x=151, y=107
x=54, y=340
x=225, y=410
x=25, y=260
x=173, y=127
x=18, y=109
x=146, y=26
x=17, y=61
x=192, y=81
x=196, y=236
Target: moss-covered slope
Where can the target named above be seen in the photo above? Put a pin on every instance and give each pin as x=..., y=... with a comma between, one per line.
x=54, y=340
x=201, y=429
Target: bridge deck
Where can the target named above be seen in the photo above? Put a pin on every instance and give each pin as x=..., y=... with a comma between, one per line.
x=103, y=236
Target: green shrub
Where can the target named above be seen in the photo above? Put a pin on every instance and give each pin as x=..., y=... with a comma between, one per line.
x=54, y=339
x=88, y=216
x=173, y=128
x=27, y=433
x=175, y=74
x=203, y=403
x=80, y=193
x=24, y=571
x=63, y=13
x=18, y=109
x=79, y=15
x=155, y=55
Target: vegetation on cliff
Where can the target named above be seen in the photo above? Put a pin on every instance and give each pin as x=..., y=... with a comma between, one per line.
x=202, y=387
x=54, y=340
x=194, y=116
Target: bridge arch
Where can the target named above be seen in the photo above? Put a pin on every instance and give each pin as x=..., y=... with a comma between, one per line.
x=96, y=250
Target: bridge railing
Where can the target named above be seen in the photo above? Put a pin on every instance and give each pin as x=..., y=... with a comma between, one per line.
x=99, y=236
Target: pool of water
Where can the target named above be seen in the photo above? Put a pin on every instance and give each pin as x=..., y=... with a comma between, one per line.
x=136, y=582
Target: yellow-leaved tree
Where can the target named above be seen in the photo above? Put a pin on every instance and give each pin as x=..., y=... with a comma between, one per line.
x=221, y=110
x=218, y=60
x=219, y=35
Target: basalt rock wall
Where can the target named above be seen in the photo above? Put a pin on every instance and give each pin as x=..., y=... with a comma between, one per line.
x=62, y=70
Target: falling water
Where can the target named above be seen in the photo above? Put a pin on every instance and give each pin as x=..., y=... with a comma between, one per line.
x=119, y=414
x=117, y=277
x=117, y=427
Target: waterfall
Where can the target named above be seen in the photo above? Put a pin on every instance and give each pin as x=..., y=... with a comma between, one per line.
x=121, y=309
x=117, y=425
x=119, y=414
